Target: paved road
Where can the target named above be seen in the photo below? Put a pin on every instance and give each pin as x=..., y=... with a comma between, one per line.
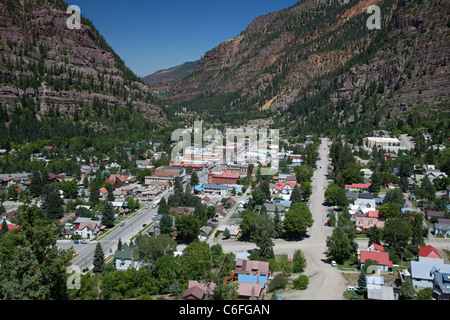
x=85, y=252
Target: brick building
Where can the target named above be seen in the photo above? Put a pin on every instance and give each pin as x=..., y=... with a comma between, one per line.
x=226, y=177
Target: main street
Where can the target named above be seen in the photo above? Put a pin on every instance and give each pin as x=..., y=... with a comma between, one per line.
x=132, y=226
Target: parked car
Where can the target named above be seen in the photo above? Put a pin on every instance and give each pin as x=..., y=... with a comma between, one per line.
x=333, y=263
x=327, y=223
x=76, y=241
x=122, y=224
x=349, y=288
x=83, y=241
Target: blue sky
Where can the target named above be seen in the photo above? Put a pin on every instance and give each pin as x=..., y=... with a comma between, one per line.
x=158, y=34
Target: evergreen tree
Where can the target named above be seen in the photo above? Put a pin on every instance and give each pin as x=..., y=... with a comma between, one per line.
x=163, y=208
x=108, y=215
x=277, y=224
x=362, y=283
x=298, y=262
x=265, y=188
x=296, y=196
x=165, y=224
x=94, y=197
x=99, y=258
x=178, y=187
x=119, y=244
x=110, y=189
x=194, y=179
x=86, y=181
x=374, y=234
x=429, y=188
x=4, y=228
x=36, y=185
x=53, y=204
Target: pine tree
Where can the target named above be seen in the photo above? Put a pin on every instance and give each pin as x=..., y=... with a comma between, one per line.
x=194, y=179
x=119, y=244
x=362, y=283
x=99, y=258
x=53, y=205
x=108, y=215
x=277, y=224
x=177, y=187
x=36, y=185
x=298, y=262
x=163, y=208
x=265, y=188
x=94, y=196
x=296, y=196
x=110, y=189
x=4, y=228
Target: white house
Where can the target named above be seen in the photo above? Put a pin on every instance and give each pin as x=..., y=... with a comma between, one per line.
x=283, y=188
x=124, y=258
x=87, y=228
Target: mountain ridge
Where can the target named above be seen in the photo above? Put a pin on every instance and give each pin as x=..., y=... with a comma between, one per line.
x=48, y=69
x=323, y=49
x=171, y=74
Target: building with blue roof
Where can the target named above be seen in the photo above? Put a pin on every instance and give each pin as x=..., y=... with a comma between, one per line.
x=252, y=278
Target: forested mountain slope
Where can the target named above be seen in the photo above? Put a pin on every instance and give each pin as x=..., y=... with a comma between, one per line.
x=57, y=81
x=320, y=65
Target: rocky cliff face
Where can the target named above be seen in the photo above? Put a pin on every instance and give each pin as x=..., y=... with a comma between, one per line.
x=64, y=68
x=324, y=48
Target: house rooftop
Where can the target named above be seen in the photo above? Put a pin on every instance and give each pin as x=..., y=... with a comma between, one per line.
x=429, y=252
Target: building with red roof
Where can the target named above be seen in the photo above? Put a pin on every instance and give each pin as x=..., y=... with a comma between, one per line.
x=363, y=222
x=226, y=177
x=10, y=226
x=283, y=188
x=358, y=186
x=429, y=252
x=103, y=192
x=198, y=290
x=382, y=258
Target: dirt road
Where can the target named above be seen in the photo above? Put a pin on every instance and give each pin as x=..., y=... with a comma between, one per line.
x=325, y=281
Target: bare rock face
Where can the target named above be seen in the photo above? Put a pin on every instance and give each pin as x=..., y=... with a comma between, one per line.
x=316, y=46
x=40, y=56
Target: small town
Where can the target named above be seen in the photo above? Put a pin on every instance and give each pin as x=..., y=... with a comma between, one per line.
x=371, y=216
x=224, y=159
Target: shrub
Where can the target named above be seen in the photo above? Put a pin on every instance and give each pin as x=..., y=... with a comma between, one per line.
x=278, y=283
x=301, y=283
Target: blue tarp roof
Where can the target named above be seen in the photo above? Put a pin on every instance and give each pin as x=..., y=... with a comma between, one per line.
x=250, y=278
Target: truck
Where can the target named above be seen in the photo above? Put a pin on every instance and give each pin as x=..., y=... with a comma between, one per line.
x=155, y=203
